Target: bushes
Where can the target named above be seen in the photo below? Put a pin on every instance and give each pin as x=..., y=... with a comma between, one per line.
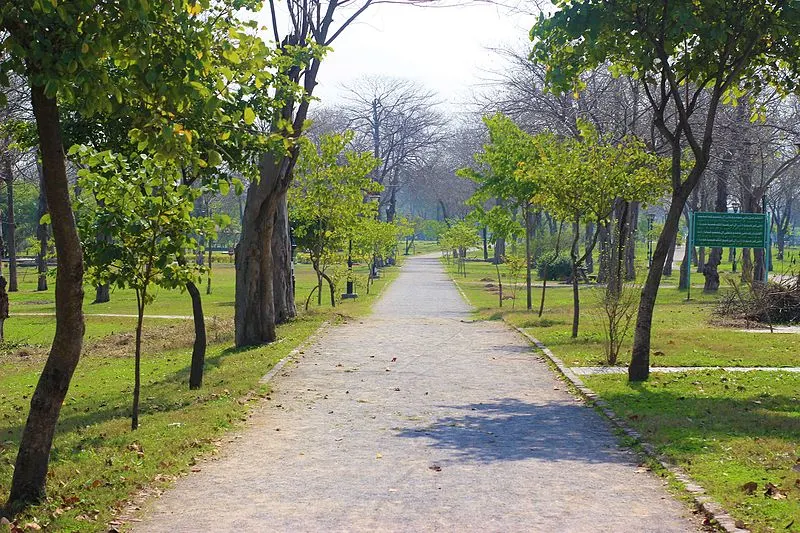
x=558, y=267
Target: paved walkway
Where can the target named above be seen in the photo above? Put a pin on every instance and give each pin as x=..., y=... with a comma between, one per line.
x=418, y=419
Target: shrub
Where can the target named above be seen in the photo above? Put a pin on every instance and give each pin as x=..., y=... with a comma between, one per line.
x=558, y=268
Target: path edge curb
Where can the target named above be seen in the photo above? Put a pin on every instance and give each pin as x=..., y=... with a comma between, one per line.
x=713, y=511
x=266, y=378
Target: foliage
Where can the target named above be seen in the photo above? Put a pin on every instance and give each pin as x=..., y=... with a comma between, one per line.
x=616, y=310
x=143, y=212
x=327, y=199
x=498, y=221
x=558, y=267
x=141, y=204
x=496, y=166
x=756, y=41
x=460, y=237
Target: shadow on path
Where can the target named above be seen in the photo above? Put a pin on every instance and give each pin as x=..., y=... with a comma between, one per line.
x=512, y=430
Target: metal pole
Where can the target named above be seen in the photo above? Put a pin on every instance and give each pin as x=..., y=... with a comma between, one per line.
x=688, y=258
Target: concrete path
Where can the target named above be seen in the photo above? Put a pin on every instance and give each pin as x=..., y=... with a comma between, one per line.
x=418, y=419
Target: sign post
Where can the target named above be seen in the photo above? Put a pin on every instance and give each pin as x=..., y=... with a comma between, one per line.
x=728, y=230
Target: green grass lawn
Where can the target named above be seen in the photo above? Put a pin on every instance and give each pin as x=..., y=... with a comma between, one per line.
x=725, y=429
x=683, y=332
x=98, y=464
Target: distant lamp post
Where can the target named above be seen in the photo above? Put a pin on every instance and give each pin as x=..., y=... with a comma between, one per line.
x=651, y=217
x=349, y=294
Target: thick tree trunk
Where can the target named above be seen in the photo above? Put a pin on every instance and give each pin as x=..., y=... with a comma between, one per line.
x=11, y=229
x=30, y=471
x=499, y=251
x=102, y=294
x=199, y=348
x=282, y=283
x=254, y=311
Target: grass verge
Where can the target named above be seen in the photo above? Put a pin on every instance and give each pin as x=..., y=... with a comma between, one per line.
x=98, y=464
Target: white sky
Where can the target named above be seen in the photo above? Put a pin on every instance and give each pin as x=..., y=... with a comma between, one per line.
x=444, y=49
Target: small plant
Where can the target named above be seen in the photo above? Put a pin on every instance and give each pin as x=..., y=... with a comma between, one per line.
x=616, y=310
x=553, y=267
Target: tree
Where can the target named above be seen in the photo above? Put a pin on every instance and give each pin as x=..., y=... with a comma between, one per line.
x=508, y=148
x=579, y=181
x=460, y=236
x=147, y=213
x=688, y=57
x=502, y=226
x=398, y=120
x=162, y=53
x=327, y=199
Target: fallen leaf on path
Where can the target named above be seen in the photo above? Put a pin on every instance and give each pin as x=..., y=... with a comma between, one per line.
x=196, y=469
x=378, y=456
x=394, y=359
x=435, y=468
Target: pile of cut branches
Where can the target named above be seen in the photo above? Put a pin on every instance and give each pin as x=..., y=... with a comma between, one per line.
x=775, y=302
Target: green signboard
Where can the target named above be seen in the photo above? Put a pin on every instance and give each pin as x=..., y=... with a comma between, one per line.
x=727, y=230
x=730, y=230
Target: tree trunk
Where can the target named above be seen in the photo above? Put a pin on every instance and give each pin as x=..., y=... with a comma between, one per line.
x=630, y=241
x=485, y=244
x=208, y=272
x=102, y=294
x=576, y=302
x=11, y=229
x=589, y=237
x=528, y=230
x=199, y=348
x=670, y=259
x=282, y=283
x=639, y=369
x=618, y=253
x=30, y=471
x=711, y=268
x=42, y=234
x=605, y=252
x=137, y=360
x=499, y=251
x=254, y=312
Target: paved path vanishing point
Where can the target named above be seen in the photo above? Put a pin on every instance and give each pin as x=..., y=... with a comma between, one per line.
x=417, y=419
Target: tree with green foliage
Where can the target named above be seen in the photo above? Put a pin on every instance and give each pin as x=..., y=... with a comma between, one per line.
x=461, y=236
x=501, y=226
x=95, y=56
x=580, y=181
x=688, y=57
x=374, y=240
x=327, y=199
x=496, y=166
x=144, y=207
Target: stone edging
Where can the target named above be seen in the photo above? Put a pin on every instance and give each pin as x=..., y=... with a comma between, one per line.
x=291, y=355
x=712, y=510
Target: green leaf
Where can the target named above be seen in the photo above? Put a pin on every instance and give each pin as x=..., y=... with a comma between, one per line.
x=249, y=115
